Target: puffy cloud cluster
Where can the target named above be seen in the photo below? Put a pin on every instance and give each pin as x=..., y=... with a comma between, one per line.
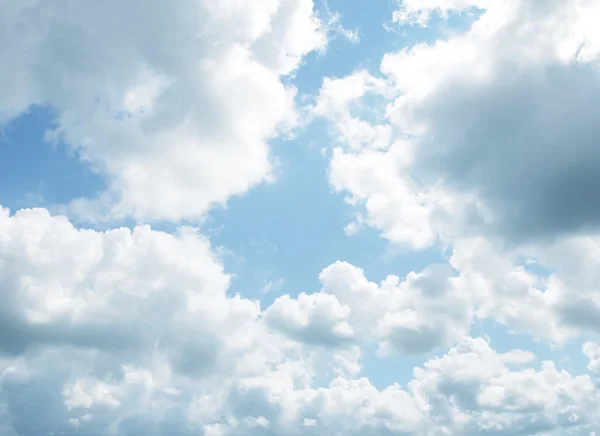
x=494, y=128
x=423, y=313
x=492, y=153
x=549, y=291
x=133, y=332
x=483, y=142
x=127, y=293
x=172, y=103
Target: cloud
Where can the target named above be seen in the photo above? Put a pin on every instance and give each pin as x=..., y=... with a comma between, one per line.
x=128, y=292
x=471, y=389
x=376, y=183
x=142, y=318
x=423, y=313
x=482, y=143
x=490, y=154
x=273, y=285
x=549, y=292
x=315, y=318
x=173, y=104
x=154, y=344
x=333, y=25
x=493, y=129
x=517, y=357
x=592, y=352
x=419, y=12
x=339, y=99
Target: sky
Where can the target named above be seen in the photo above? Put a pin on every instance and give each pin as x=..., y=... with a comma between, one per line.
x=298, y=217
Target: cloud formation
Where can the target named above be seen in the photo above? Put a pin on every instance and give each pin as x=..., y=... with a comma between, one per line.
x=173, y=104
x=481, y=144
x=155, y=345
x=423, y=313
x=499, y=123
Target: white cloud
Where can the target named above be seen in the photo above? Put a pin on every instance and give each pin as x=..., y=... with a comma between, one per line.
x=173, y=103
x=315, y=318
x=340, y=98
x=140, y=336
x=473, y=389
x=425, y=312
x=420, y=11
x=273, y=285
x=491, y=155
x=120, y=291
x=592, y=352
x=120, y=322
x=485, y=136
x=332, y=23
x=517, y=357
x=134, y=331
x=556, y=297
x=376, y=181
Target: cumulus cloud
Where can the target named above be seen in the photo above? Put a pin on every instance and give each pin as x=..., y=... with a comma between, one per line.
x=472, y=389
x=389, y=200
x=483, y=142
x=491, y=153
x=340, y=100
x=592, y=352
x=315, y=318
x=154, y=344
x=173, y=103
x=129, y=292
x=139, y=315
x=424, y=312
x=549, y=292
x=500, y=125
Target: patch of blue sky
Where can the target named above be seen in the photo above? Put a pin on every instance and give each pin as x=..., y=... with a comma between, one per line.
x=294, y=228
x=36, y=173
x=537, y=268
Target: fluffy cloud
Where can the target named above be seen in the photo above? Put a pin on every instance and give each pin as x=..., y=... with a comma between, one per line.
x=472, y=389
x=339, y=100
x=390, y=200
x=592, y=352
x=494, y=129
x=155, y=345
x=472, y=142
x=425, y=312
x=142, y=318
x=173, y=103
x=131, y=293
x=550, y=292
x=491, y=154
x=315, y=318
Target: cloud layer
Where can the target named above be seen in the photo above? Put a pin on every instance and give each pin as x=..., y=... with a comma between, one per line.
x=154, y=344
x=481, y=144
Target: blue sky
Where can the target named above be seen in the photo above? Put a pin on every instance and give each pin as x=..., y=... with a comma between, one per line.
x=441, y=206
